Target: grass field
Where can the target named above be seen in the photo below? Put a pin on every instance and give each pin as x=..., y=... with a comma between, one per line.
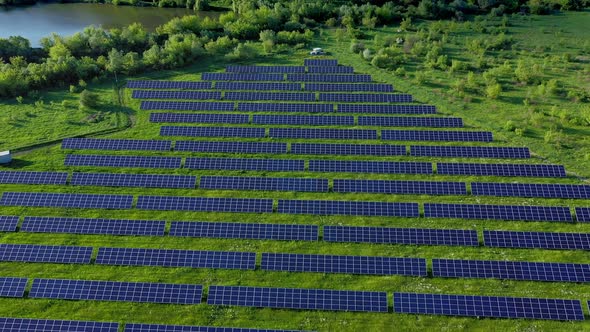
x=476, y=116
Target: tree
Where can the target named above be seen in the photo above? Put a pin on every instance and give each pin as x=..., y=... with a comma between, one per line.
x=115, y=62
x=88, y=99
x=493, y=90
x=268, y=39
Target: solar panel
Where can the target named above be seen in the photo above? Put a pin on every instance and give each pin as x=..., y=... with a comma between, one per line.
x=8, y=223
x=277, y=165
x=16, y=177
x=12, y=287
x=279, y=96
x=350, y=208
x=149, y=105
x=366, y=97
x=400, y=187
x=180, y=328
x=536, y=271
x=265, y=69
x=501, y=170
x=175, y=203
x=199, y=118
x=297, y=298
x=230, y=147
x=285, y=107
x=320, y=62
x=541, y=240
x=386, y=167
x=116, y=291
x=349, y=78
x=134, y=180
x=386, y=109
x=407, y=121
x=330, y=69
x=93, y=226
x=487, y=306
x=583, y=214
x=167, y=94
x=498, y=212
x=530, y=190
x=212, y=131
x=348, y=87
x=241, y=77
x=46, y=325
x=348, y=149
x=89, y=201
x=115, y=144
x=122, y=161
x=264, y=183
x=421, y=236
x=168, y=85
x=176, y=258
x=344, y=264
x=260, y=86
x=469, y=151
x=436, y=135
x=45, y=254
x=323, y=133
x=228, y=230
x=304, y=120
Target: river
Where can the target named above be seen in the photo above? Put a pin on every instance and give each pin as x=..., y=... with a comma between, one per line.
x=37, y=21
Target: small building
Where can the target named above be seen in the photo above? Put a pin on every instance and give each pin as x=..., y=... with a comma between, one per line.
x=5, y=157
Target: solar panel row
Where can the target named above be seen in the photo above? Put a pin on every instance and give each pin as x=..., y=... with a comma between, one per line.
x=245, y=231
x=122, y=161
x=432, y=135
x=386, y=109
x=277, y=165
x=530, y=190
x=344, y=78
x=230, y=147
x=242, y=77
x=304, y=120
x=199, y=118
x=501, y=170
x=422, y=236
x=400, y=187
x=264, y=183
x=348, y=87
x=320, y=62
x=184, y=328
x=115, y=144
x=88, y=201
x=168, y=94
x=279, y=96
x=168, y=85
x=46, y=325
x=134, y=180
x=284, y=107
x=19, y=177
x=175, y=203
x=386, y=167
x=541, y=240
x=186, y=105
x=265, y=69
x=45, y=254
x=245, y=132
x=93, y=226
x=12, y=287
x=366, y=98
x=330, y=69
x=469, y=151
x=406, y=121
x=347, y=149
x=353, y=208
x=260, y=86
x=498, y=212
x=323, y=133
x=8, y=223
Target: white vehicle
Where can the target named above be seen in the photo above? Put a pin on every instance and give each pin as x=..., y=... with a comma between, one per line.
x=317, y=51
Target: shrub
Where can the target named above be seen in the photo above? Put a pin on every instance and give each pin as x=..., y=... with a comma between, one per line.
x=493, y=90
x=509, y=126
x=356, y=46
x=88, y=99
x=19, y=100
x=243, y=51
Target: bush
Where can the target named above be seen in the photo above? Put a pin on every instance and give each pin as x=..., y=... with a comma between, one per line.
x=493, y=90
x=368, y=54
x=73, y=89
x=88, y=99
x=509, y=126
x=243, y=51
x=294, y=37
x=19, y=100
x=356, y=47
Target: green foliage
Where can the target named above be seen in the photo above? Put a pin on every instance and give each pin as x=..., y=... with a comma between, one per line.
x=356, y=46
x=493, y=90
x=243, y=51
x=221, y=45
x=88, y=100
x=509, y=126
x=19, y=100
x=294, y=37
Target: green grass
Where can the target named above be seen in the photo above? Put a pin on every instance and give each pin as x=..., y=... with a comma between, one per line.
x=52, y=157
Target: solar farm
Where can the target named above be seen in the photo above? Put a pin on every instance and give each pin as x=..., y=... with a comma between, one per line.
x=290, y=198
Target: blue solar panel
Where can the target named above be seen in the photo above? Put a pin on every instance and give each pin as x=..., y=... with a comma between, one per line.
x=296, y=298
x=387, y=167
x=436, y=135
x=498, y=212
x=304, y=120
x=349, y=78
x=263, y=183
x=230, y=147
x=175, y=203
x=421, y=236
x=122, y=161
x=116, y=291
x=487, y=306
x=320, y=62
x=115, y=144
x=501, y=170
x=330, y=69
x=265, y=69
x=167, y=94
x=366, y=97
x=277, y=165
x=199, y=118
x=351, y=208
x=186, y=105
x=349, y=87
x=8, y=223
x=583, y=214
x=93, y=226
x=46, y=325
x=212, y=131
x=537, y=271
x=182, y=328
x=469, y=151
x=400, y=187
x=12, y=287
x=406, y=121
x=16, y=177
x=387, y=109
x=542, y=240
x=530, y=190
x=279, y=96
x=241, y=77
x=285, y=107
x=323, y=133
x=259, y=86
x=348, y=149
x=134, y=180
x=88, y=201
x=44, y=254
x=168, y=85
x=176, y=258
x=245, y=231
x=344, y=264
